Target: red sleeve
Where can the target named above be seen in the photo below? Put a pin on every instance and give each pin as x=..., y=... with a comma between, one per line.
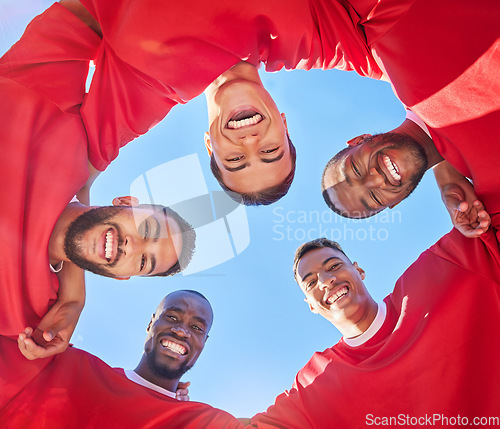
x=76, y=389
x=122, y=104
x=42, y=82
x=480, y=256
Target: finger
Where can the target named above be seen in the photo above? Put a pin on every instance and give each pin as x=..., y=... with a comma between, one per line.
x=183, y=385
x=182, y=398
x=48, y=336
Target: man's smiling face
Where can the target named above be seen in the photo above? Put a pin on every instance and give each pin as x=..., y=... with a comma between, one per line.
x=248, y=137
x=124, y=241
x=333, y=286
x=377, y=173
x=177, y=334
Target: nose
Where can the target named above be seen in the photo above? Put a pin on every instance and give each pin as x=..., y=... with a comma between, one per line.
x=180, y=331
x=325, y=281
x=374, y=179
x=131, y=246
x=249, y=139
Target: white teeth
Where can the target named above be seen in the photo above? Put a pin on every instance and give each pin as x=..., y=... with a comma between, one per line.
x=391, y=167
x=337, y=295
x=108, y=249
x=255, y=119
x=174, y=347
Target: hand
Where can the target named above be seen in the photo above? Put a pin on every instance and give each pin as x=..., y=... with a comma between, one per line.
x=53, y=333
x=182, y=392
x=466, y=211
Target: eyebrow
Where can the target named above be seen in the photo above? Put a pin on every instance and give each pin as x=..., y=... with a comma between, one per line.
x=156, y=237
x=323, y=264
x=180, y=310
x=344, y=172
x=266, y=160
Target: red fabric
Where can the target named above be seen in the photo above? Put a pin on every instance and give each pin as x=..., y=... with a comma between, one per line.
x=77, y=390
x=437, y=352
x=44, y=156
x=157, y=54
x=443, y=60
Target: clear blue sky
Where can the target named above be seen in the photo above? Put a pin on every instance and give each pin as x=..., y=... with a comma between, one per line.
x=263, y=332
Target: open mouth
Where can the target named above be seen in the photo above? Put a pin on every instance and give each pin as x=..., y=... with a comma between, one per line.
x=333, y=298
x=173, y=347
x=109, y=244
x=245, y=118
x=391, y=170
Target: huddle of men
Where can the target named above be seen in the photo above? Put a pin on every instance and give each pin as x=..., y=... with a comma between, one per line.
x=414, y=349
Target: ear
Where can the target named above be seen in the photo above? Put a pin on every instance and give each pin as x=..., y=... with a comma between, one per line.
x=208, y=143
x=394, y=205
x=150, y=322
x=311, y=306
x=357, y=140
x=121, y=278
x=283, y=117
x=126, y=201
x=360, y=270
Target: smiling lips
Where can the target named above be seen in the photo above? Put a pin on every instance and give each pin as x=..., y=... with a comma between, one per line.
x=108, y=245
x=392, y=169
x=173, y=347
x=337, y=295
x=244, y=119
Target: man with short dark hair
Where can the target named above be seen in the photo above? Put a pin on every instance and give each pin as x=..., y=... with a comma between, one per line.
x=446, y=78
x=376, y=172
x=76, y=389
x=44, y=164
x=430, y=350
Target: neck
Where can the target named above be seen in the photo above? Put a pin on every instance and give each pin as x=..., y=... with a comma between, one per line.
x=56, y=242
x=241, y=71
x=145, y=372
x=355, y=324
x=411, y=129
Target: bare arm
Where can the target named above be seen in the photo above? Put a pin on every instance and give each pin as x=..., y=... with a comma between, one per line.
x=467, y=213
x=83, y=194
x=54, y=332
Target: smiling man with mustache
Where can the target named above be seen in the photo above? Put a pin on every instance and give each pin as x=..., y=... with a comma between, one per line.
x=76, y=389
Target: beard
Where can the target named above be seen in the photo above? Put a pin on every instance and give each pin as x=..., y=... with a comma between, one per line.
x=163, y=370
x=73, y=241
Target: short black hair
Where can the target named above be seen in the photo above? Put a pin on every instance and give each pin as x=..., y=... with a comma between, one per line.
x=264, y=197
x=318, y=243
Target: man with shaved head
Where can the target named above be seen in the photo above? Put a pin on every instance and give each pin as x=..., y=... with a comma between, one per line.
x=76, y=389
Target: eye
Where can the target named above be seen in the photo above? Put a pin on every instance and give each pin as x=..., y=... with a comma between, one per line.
x=376, y=199
x=173, y=318
x=310, y=285
x=236, y=158
x=143, y=262
x=355, y=169
x=197, y=328
x=334, y=266
x=270, y=150
x=147, y=229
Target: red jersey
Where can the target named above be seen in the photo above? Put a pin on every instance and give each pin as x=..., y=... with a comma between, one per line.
x=436, y=355
x=156, y=54
x=44, y=156
x=75, y=389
